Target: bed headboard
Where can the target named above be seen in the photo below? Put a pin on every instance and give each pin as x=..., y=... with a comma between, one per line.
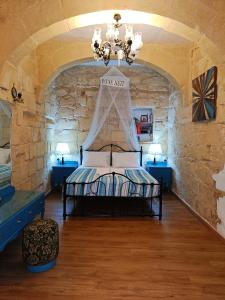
x=111, y=151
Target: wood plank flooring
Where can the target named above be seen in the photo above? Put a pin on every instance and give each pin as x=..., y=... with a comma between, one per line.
x=123, y=258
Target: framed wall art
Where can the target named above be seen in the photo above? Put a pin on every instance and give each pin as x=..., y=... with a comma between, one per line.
x=204, y=95
x=143, y=118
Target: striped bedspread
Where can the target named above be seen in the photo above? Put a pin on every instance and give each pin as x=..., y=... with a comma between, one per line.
x=5, y=175
x=104, y=186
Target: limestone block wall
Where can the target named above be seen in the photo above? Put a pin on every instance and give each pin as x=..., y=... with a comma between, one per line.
x=197, y=150
x=70, y=103
x=28, y=124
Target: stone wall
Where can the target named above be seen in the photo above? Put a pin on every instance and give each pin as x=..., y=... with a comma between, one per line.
x=28, y=125
x=197, y=150
x=71, y=97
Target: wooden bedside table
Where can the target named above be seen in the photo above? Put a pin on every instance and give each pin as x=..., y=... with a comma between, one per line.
x=60, y=171
x=160, y=170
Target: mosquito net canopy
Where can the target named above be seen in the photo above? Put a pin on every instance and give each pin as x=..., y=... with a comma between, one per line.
x=112, y=121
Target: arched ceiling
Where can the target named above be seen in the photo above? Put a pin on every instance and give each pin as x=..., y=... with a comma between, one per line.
x=33, y=23
x=29, y=24
x=150, y=34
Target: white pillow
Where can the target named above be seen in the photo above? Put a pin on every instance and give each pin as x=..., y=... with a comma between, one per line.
x=4, y=156
x=96, y=159
x=126, y=159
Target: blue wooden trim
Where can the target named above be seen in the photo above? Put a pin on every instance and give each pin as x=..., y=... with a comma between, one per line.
x=41, y=268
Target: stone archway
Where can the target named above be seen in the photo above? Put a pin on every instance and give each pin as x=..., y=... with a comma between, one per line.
x=38, y=25
x=70, y=102
x=161, y=15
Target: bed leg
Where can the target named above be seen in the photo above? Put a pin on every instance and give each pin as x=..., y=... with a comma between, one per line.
x=160, y=199
x=160, y=216
x=64, y=200
x=64, y=208
x=83, y=202
x=151, y=205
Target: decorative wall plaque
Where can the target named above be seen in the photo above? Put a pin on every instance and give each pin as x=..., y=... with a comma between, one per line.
x=204, y=94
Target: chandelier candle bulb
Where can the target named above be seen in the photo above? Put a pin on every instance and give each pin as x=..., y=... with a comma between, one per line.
x=110, y=32
x=97, y=36
x=138, y=40
x=129, y=33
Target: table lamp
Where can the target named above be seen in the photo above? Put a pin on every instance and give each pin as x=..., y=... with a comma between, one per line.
x=155, y=149
x=62, y=149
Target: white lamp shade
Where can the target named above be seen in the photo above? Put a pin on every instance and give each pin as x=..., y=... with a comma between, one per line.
x=62, y=148
x=155, y=149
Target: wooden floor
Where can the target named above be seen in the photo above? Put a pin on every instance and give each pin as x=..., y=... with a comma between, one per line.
x=177, y=258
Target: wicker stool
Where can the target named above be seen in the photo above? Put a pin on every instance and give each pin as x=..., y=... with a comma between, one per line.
x=40, y=245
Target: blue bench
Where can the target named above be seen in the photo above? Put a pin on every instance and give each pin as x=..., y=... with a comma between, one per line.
x=18, y=211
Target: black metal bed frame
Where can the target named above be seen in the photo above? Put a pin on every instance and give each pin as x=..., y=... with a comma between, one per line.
x=132, y=204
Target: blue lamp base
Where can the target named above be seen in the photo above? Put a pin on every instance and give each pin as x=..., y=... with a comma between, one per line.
x=41, y=268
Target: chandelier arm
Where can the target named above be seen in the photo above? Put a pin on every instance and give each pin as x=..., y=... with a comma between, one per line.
x=102, y=53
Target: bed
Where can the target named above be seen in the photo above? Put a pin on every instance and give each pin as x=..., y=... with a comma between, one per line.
x=112, y=183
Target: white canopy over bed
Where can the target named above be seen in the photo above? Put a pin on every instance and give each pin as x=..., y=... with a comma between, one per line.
x=114, y=94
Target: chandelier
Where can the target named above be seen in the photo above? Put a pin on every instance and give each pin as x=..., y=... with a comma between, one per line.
x=127, y=49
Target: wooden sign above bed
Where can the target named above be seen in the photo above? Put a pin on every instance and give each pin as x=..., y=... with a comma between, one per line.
x=115, y=81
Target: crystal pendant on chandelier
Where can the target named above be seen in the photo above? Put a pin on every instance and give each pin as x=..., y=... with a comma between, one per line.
x=127, y=49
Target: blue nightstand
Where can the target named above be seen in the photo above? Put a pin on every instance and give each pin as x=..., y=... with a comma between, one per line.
x=160, y=170
x=59, y=172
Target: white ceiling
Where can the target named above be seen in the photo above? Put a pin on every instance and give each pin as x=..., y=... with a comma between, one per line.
x=150, y=34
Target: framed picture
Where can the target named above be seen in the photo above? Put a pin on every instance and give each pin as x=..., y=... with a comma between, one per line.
x=143, y=118
x=204, y=94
